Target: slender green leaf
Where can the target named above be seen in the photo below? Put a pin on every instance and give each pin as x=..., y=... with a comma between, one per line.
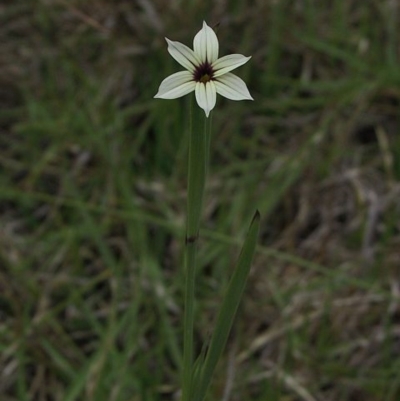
x=228, y=310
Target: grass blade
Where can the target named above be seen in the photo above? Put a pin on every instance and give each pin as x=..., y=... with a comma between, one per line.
x=228, y=310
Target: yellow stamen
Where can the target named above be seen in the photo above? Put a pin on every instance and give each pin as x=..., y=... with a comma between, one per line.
x=205, y=78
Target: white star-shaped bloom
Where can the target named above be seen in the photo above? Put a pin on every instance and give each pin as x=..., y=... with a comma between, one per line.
x=206, y=74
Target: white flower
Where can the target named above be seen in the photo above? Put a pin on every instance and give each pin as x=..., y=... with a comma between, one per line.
x=206, y=74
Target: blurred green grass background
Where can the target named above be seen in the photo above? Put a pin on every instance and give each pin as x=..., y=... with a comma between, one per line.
x=93, y=187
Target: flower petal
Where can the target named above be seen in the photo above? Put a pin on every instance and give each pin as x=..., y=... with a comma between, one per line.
x=183, y=55
x=206, y=96
x=232, y=87
x=228, y=63
x=205, y=44
x=176, y=85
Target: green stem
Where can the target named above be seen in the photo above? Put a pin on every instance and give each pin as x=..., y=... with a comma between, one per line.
x=190, y=265
x=197, y=167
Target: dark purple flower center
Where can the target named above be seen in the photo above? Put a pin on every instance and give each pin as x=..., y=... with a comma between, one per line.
x=203, y=73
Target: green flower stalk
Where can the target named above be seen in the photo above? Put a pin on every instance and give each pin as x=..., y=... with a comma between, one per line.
x=206, y=75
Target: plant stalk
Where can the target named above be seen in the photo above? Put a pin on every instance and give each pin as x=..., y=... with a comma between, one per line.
x=199, y=142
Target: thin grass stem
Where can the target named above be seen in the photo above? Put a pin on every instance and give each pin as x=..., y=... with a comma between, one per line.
x=199, y=142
